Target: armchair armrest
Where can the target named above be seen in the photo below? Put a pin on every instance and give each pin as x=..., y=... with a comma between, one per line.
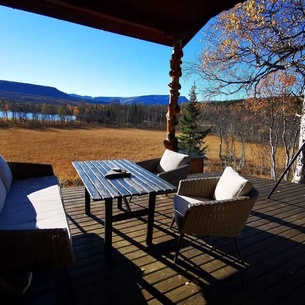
x=198, y=187
x=24, y=170
x=175, y=175
x=150, y=164
x=193, y=213
x=228, y=216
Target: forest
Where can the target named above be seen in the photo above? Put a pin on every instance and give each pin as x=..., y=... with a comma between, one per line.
x=270, y=123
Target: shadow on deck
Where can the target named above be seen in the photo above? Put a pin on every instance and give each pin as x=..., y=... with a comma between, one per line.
x=208, y=271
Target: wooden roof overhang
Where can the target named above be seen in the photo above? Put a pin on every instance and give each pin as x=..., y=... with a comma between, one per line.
x=159, y=21
x=167, y=22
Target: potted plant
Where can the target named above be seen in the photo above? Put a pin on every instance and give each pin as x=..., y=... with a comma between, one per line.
x=190, y=140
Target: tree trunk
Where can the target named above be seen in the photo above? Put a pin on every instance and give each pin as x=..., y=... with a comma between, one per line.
x=220, y=145
x=299, y=174
x=242, y=160
x=273, y=153
x=171, y=141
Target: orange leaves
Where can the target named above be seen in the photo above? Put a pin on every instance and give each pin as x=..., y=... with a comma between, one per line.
x=245, y=46
x=6, y=107
x=75, y=111
x=277, y=84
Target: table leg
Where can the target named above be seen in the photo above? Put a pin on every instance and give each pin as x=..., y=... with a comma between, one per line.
x=120, y=203
x=127, y=204
x=151, y=216
x=87, y=202
x=108, y=226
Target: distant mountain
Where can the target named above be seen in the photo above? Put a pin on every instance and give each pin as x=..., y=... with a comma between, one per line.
x=29, y=89
x=15, y=91
x=143, y=99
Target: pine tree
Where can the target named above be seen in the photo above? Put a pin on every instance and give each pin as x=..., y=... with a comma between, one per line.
x=191, y=137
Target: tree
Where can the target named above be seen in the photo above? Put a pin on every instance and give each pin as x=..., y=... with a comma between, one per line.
x=245, y=45
x=5, y=108
x=249, y=42
x=217, y=116
x=191, y=137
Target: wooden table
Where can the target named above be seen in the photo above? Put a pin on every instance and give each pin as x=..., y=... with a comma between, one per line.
x=140, y=182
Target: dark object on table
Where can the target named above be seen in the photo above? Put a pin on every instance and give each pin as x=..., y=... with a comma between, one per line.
x=117, y=173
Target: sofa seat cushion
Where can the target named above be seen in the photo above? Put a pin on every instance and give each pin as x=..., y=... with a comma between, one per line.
x=6, y=175
x=172, y=160
x=231, y=185
x=33, y=203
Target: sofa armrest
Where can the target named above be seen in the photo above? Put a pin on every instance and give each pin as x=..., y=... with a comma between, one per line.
x=200, y=187
x=26, y=247
x=24, y=170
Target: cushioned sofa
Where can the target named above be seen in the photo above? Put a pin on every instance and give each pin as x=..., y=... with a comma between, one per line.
x=33, y=223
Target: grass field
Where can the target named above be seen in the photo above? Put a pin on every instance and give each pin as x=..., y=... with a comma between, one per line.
x=62, y=146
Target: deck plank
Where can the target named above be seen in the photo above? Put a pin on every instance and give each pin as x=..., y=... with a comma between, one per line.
x=208, y=272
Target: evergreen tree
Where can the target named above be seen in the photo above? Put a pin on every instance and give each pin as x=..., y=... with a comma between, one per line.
x=191, y=137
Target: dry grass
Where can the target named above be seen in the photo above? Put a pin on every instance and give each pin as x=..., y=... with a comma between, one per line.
x=62, y=146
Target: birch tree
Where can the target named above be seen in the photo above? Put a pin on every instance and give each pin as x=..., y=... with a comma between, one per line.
x=241, y=47
x=299, y=174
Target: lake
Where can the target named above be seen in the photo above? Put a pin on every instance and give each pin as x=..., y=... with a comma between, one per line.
x=38, y=116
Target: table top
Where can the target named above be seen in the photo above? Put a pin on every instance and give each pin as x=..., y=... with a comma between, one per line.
x=140, y=182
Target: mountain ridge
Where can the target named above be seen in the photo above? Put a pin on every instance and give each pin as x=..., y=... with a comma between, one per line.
x=26, y=92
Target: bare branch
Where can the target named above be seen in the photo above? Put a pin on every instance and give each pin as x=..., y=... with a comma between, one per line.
x=250, y=42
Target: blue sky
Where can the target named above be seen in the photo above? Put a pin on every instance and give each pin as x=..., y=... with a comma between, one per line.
x=77, y=59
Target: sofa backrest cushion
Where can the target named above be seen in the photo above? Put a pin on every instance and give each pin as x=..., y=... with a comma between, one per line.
x=231, y=185
x=172, y=160
x=6, y=175
x=2, y=195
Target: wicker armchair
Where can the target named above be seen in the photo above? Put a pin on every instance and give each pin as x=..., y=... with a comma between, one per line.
x=196, y=211
x=172, y=167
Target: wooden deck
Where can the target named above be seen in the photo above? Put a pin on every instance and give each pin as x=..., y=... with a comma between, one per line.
x=208, y=271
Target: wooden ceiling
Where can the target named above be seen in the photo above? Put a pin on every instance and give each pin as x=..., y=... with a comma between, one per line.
x=158, y=21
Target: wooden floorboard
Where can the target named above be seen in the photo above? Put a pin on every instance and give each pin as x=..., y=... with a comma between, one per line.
x=208, y=272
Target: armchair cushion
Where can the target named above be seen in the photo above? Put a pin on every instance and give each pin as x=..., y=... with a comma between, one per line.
x=231, y=185
x=6, y=175
x=181, y=203
x=172, y=160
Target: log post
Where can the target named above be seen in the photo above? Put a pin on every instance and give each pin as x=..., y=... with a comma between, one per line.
x=171, y=141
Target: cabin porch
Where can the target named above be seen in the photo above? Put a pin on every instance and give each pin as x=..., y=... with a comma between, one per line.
x=208, y=271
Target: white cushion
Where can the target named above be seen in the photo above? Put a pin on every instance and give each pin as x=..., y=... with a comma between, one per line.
x=172, y=160
x=2, y=195
x=181, y=203
x=231, y=185
x=34, y=203
x=5, y=174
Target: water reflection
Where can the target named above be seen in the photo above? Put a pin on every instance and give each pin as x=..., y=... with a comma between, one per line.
x=36, y=116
